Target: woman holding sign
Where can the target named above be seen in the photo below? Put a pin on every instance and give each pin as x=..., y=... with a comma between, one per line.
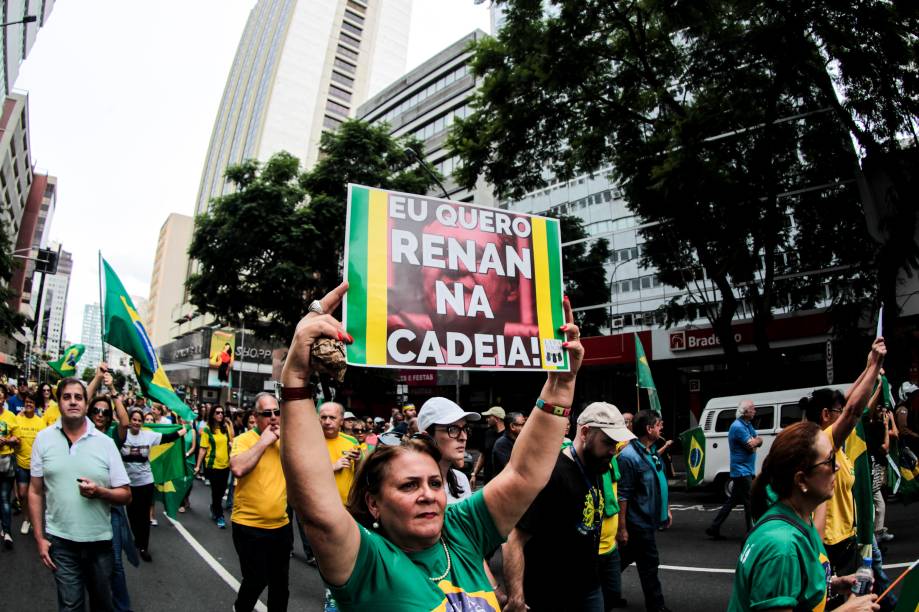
x=401, y=547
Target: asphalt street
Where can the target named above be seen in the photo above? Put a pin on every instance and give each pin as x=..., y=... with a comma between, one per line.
x=696, y=573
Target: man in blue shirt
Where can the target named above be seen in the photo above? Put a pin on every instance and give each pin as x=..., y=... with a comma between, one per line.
x=743, y=442
x=643, y=506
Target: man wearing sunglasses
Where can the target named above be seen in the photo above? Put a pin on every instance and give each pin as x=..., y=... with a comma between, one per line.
x=643, y=506
x=344, y=451
x=262, y=534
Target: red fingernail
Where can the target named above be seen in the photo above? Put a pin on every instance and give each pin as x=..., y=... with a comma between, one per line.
x=566, y=298
x=350, y=339
x=563, y=327
x=340, y=337
x=565, y=344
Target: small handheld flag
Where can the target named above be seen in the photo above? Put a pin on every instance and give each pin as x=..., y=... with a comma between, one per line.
x=693, y=442
x=880, y=330
x=67, y=365
x=643, y=375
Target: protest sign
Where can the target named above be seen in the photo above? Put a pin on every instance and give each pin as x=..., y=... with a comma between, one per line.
x=441, y=284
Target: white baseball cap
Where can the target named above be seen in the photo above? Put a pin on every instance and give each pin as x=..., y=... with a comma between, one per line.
x=607, y=418
x=441, y=411
x=907, y=389
x=349, y=415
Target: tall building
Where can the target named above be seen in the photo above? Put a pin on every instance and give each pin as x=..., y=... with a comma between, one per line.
x=19, y=38
x=424, y=103
x=301, y=67
x=91, y=336
x=167, y=285
x=53, y=307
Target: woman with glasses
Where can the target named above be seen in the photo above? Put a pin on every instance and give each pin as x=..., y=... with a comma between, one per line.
x=45, y=405
x=102, y=413
x=398, y=546
x=445, y=423
x=135, y=452
x=837, y=416
x=783, y=564
x=214, y=453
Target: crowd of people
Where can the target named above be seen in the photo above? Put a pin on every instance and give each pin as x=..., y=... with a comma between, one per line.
x=394, y=518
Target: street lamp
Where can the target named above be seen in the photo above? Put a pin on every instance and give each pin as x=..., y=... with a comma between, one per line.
x=26, y=19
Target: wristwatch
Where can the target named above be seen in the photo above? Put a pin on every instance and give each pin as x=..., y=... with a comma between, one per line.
x=292, y=394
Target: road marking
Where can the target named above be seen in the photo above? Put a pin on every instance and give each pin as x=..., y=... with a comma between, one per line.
x=718, y=570
x=210, y=560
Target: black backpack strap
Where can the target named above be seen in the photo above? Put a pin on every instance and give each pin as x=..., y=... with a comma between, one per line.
x=776, y=517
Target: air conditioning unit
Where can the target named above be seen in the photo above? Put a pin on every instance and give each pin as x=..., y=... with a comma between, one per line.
x=617, y=323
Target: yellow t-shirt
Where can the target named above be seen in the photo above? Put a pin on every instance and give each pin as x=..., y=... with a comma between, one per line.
x=52, y=413
x=218, y=457
x=840, y=509
x=609, y=528
x=260, y=499
x=7, y=421
x=26, y=429
x=339, y=447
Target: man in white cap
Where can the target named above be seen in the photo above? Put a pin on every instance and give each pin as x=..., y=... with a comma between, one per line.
x=551, y=558
x=483, y=465
x=348, y=423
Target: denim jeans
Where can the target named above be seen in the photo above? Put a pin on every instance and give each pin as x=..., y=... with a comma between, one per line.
x=642, y=549
x=6, y=503
x=82, y=566
x=121, y=600
x=610, y=577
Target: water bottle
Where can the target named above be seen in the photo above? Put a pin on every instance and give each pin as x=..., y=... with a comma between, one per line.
x=330, y=604
x=864, y=577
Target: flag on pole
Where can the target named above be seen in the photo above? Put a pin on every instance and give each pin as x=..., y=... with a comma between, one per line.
x=643, y=375
x=171, y=477
x=902, y=473
x=66, y=366
x=856, y=449
x=908, y=600
x=693, y=441
x=123, y=329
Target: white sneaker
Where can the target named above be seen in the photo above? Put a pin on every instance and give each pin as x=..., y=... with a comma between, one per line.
x=25, y=528
x=154, y=523
x=7, y=541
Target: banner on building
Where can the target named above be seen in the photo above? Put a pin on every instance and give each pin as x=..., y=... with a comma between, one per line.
x=223, y=348
x=441, y=284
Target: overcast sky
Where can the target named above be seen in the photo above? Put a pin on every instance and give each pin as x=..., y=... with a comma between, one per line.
x=122, y=99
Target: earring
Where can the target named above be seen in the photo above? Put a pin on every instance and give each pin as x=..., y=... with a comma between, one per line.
x=804, y=489
x=376, y=525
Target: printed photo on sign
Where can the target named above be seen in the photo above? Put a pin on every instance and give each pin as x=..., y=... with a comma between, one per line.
x=440, y=284
x=223, y=347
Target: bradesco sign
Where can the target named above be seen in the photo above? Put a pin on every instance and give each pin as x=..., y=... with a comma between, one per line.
x=700, y=339
x=441, y=284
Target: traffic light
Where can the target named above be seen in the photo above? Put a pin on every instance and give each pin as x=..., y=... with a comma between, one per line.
x=46, y=261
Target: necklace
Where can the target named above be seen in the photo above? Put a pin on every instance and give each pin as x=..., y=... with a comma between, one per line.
x=449, y=564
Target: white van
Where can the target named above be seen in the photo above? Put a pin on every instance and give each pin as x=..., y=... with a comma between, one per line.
x=775, y=410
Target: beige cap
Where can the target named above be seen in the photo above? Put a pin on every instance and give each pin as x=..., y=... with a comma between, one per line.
x=496, y=411
x=606, y=417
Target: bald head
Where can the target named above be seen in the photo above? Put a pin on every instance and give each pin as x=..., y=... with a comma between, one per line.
x=331, y=415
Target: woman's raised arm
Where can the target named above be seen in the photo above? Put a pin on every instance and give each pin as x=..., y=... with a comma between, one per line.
x=332, y=532
x=512, y=491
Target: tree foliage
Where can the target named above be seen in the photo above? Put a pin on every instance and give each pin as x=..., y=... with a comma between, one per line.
x=585, y=274
x=734, y=127
x=266, y=249
x=11, y=320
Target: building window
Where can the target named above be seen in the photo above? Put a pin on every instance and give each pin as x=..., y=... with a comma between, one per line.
x=335, y=107
x=349, y=40
x=330, y=123
x=348, y=53
x=353, y=16
x=343, y=65
x=344, y=80
x=353, y=29
x=339, y=93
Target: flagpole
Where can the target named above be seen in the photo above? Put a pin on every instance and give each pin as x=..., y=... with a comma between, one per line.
x=101, y=307
x=637, y=381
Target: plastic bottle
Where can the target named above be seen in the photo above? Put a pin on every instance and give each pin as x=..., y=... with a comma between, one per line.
x=330, y=605
x=863, y=578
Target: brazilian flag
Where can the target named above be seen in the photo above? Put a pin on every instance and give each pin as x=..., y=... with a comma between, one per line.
x=171, y=476
x=856, y=448
x=644, y=379
x=66, y=366
x=124, y=330
x=693, y=442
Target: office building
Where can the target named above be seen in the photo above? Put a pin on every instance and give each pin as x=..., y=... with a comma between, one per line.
x=91, y=336
x=167, y=285
x=18, y=38
x=424, y=103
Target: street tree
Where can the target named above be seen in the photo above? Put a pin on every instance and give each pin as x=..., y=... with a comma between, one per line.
x=583, y=262
x=11, y=320
x=734, y=130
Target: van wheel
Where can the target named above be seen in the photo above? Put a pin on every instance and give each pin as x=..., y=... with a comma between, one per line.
x=724, y=485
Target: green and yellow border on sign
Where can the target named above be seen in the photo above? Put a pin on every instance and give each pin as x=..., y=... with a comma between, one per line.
x=366, y=268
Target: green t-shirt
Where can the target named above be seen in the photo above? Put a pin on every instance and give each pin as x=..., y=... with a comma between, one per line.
x=781, y=567
x=386, y=579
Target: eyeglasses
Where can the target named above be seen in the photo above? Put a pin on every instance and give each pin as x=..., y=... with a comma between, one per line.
x=104, y=411
x=216, y=412
x=829, y=461
x=359, y=431
x=837, y=410
x=270, y=413
x=453, y=431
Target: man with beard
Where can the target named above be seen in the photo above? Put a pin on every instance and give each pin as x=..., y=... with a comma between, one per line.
x=556, y=541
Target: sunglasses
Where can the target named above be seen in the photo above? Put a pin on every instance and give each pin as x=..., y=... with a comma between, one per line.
x=454, y=431
x=359, y=431
x=270, y=413
x=104, y=411
x=216, y=412
x=829, y=461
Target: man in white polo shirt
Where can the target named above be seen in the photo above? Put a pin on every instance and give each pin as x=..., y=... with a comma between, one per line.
x=77, y=475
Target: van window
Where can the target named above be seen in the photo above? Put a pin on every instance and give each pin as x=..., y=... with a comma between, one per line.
x=725, y=418
x=765, y=418
x=791, y=414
